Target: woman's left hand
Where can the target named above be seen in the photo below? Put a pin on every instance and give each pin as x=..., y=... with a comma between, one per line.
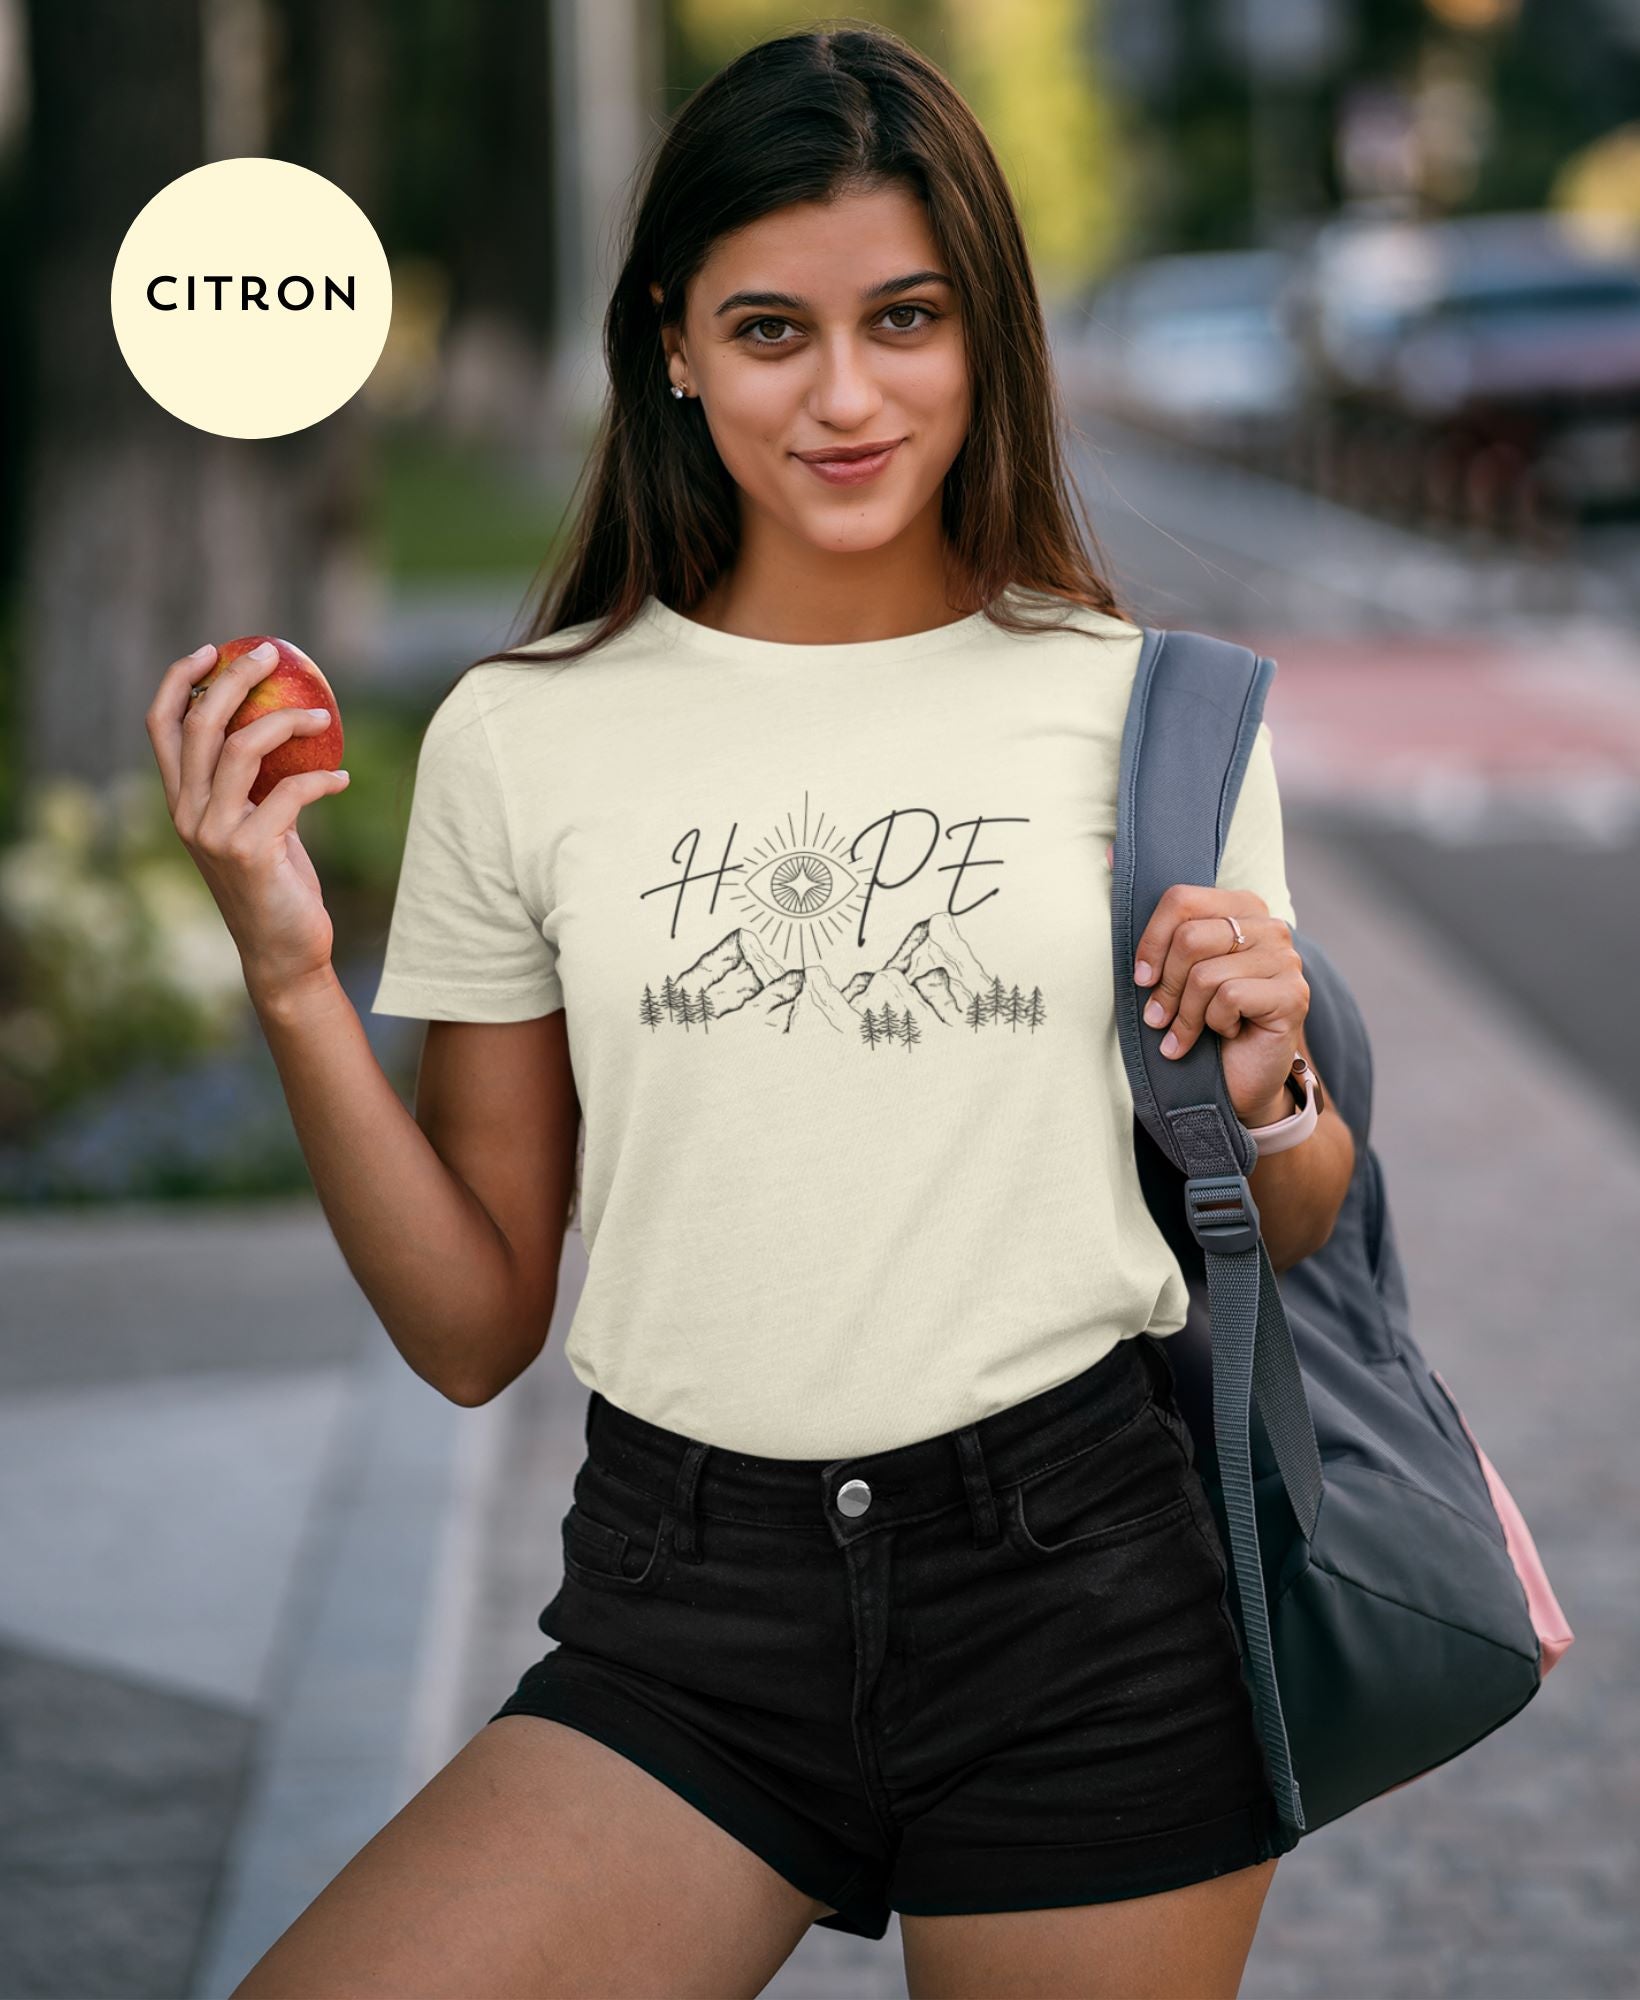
x=1256, y=999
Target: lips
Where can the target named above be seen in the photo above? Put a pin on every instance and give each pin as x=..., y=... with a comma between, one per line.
x=853, y=468
x=835, y=454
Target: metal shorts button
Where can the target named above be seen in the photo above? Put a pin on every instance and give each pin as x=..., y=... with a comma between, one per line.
x=853, y=1497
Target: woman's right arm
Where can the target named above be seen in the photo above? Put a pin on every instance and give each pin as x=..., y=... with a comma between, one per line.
x=452, y=1221
x=437, y=1214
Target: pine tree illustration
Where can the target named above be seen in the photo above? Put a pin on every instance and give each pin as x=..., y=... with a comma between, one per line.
x=974, y=1012
x=1016, y=1005
x=911, y=1033
x=708, y=1012
x=998, y=1004
x=688, y=1008
x=649, y=1008
x=891, y=1023
x=1036, y=1009
x=868, y=1029
x=669, y=997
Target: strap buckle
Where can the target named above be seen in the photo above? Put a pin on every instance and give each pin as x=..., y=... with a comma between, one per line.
x=1222, y=1213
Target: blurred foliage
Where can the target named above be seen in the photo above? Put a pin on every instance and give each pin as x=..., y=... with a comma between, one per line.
x=1603, y=181
x=111, y=946
x=131, y=1062
x=358, y=835
x=1556, y=80
x=452, y=509
x=114, y=958
x=218, y=1127
x=11, y=715
x=1027, y=72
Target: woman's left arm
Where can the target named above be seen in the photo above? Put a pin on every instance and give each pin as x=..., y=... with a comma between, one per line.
x=1300, y=1190
x=1255, y=999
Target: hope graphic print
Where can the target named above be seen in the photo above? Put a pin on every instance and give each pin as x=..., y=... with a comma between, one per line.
x=809, y=896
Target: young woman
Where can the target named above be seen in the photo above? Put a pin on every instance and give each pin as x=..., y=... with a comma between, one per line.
x=779, y=851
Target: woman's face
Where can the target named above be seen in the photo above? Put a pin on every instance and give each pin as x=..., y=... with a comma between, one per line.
x=822, y=325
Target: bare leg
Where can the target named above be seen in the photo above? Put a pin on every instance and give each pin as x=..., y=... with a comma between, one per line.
x=541, y=1865
x=1183, y=1944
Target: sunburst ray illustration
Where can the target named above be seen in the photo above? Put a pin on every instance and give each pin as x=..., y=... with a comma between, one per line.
x=797, y=887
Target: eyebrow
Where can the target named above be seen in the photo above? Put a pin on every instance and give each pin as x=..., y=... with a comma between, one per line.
x=793, y=303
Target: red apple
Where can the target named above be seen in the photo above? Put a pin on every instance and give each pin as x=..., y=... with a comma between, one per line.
x=293, y=681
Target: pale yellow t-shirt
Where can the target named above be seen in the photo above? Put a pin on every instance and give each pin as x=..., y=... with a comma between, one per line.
x=831, y=925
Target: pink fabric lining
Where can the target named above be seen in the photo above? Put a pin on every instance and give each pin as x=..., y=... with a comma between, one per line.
x=1548, y=1620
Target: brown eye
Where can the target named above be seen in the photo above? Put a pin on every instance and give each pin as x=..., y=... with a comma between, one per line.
x=751, y=327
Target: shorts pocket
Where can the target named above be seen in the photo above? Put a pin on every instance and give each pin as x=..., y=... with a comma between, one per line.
x=1115, y=1491
x=614, y=1534
x=1178, y=1430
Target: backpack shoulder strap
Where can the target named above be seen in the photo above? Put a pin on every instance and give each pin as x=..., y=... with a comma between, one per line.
x=1193, y=714
x=1192, y=718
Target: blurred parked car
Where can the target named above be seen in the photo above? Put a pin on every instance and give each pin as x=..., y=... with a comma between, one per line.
x=1485, y=363
x=1195, y=344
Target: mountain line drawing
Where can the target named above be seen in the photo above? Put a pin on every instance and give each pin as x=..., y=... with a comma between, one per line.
x=932, y=983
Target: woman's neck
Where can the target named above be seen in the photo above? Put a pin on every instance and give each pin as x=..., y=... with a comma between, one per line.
x=840, y=613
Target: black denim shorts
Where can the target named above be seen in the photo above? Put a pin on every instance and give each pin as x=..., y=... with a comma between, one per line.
x=995, y=1669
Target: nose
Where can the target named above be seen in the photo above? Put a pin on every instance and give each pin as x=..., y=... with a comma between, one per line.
x=845, y=393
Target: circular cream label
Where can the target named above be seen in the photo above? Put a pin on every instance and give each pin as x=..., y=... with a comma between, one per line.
x=251, y=297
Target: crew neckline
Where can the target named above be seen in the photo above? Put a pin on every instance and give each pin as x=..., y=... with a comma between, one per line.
x=867, y=652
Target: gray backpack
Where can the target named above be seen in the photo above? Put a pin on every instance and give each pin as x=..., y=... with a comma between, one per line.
x=1391, y=1606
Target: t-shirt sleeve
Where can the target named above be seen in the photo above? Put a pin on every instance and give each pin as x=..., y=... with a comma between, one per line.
x=462, y=945
x=1254, y=854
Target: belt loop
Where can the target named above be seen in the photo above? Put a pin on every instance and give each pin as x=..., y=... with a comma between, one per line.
x=1161, y=1370
x=977, y=1481
x=685, y=1520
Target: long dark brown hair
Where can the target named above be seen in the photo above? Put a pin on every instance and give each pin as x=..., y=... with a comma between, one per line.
x=805, y=117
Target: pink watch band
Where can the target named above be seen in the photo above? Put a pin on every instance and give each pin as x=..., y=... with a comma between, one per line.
x=1288, y=1131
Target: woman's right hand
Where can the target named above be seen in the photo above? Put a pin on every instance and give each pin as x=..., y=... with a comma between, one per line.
x=250, y=856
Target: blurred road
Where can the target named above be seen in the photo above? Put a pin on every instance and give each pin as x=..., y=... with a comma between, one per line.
x=260, y=1582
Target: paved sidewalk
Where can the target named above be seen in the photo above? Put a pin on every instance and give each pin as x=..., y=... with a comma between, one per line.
x=259, y=1582
x=231, y=1581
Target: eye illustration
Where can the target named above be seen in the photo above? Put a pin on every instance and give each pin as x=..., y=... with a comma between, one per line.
x=801, y=887
x=801, y=884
